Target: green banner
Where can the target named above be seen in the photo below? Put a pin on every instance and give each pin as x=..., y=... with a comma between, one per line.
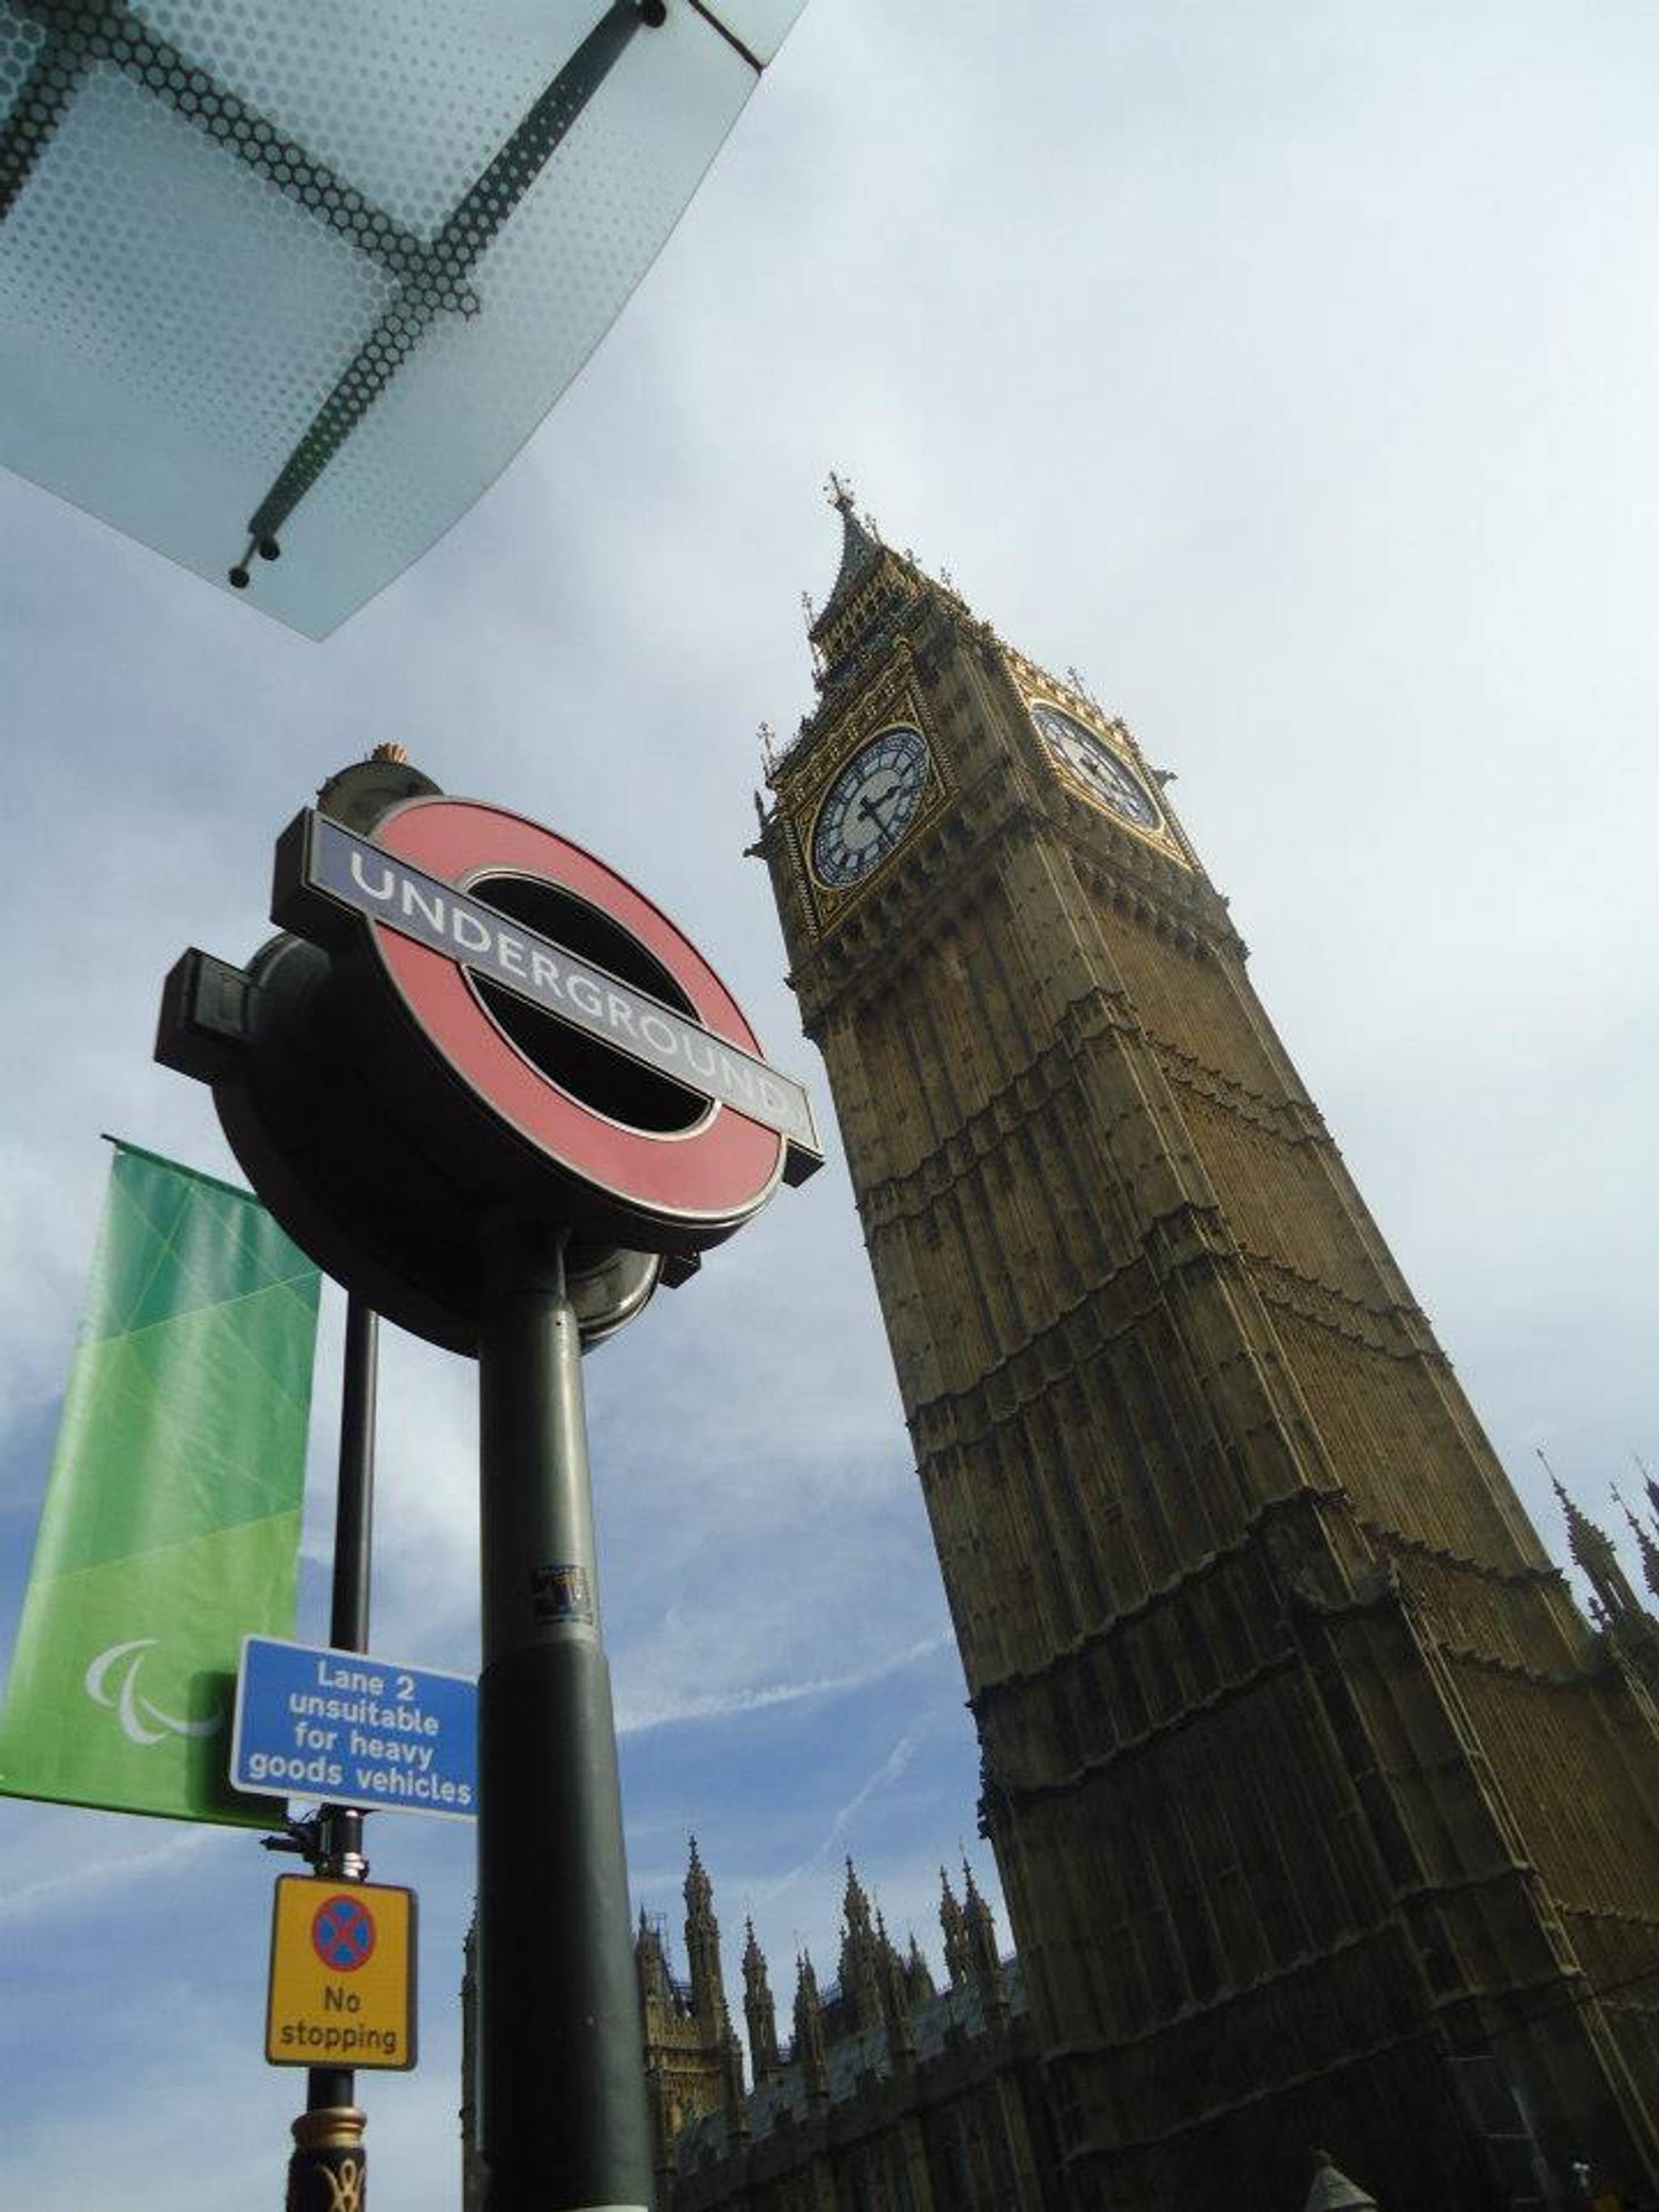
x=171, y=1527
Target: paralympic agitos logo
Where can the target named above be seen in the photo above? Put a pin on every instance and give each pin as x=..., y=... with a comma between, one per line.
x=113, y=1681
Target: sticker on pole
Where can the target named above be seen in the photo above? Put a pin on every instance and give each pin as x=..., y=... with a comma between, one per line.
x=341, y=1975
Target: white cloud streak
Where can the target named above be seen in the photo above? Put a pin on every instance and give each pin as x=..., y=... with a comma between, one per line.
x=97, y=1882
x=761, y=1696
x=889, y=1771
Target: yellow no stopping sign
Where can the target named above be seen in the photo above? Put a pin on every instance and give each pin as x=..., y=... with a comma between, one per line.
x=342, y=1974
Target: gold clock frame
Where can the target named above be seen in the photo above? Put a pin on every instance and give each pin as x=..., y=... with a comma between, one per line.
x=895, y=703
x=1038, y=688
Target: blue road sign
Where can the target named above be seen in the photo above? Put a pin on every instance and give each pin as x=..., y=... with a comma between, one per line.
x=343, y=1727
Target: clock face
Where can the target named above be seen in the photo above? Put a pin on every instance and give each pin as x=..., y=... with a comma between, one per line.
x=1103, y=775
x=869, y=806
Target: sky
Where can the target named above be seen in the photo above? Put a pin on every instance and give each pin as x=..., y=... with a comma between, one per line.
x=1288, y=370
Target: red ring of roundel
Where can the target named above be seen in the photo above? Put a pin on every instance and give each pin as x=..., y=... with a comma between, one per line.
x=721, y=1171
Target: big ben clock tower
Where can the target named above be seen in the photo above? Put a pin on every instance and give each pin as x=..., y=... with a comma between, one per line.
x=1321, y=1816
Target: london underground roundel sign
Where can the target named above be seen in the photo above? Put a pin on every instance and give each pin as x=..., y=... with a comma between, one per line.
x=563, y=1005
x=471, y=1033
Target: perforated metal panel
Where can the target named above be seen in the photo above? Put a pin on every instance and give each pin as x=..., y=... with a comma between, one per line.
x=306, y=275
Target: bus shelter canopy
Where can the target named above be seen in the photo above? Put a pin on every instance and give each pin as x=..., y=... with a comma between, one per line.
x=284, y=284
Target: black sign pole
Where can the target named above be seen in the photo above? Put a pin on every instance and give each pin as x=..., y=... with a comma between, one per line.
x=406, y=1137
x=328, y=2165
x=562, y=2120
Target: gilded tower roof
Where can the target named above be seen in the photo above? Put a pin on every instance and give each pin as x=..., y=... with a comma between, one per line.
x=861, y=550
x=873, y=585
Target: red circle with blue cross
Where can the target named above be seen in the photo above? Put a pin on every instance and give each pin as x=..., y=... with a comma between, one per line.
x=343, y=1933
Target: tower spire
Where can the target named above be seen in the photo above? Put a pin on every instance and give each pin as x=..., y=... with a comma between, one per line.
x=651, y=1962
x=856, y=1904
x=759, y=2011
x=702, y=1944
x=895, y=1997
x=917, y=1973
x=955, y=1927
x=809, y=2053
x=980, y=1932
x=860, y=1974
x=1648, y=1484
x=1592, y=1554
x=1645, y=1545
x=861, y=548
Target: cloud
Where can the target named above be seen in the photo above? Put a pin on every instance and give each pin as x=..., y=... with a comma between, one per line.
x=898, y=1759
x=757, y=1697
x=79, y=1885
